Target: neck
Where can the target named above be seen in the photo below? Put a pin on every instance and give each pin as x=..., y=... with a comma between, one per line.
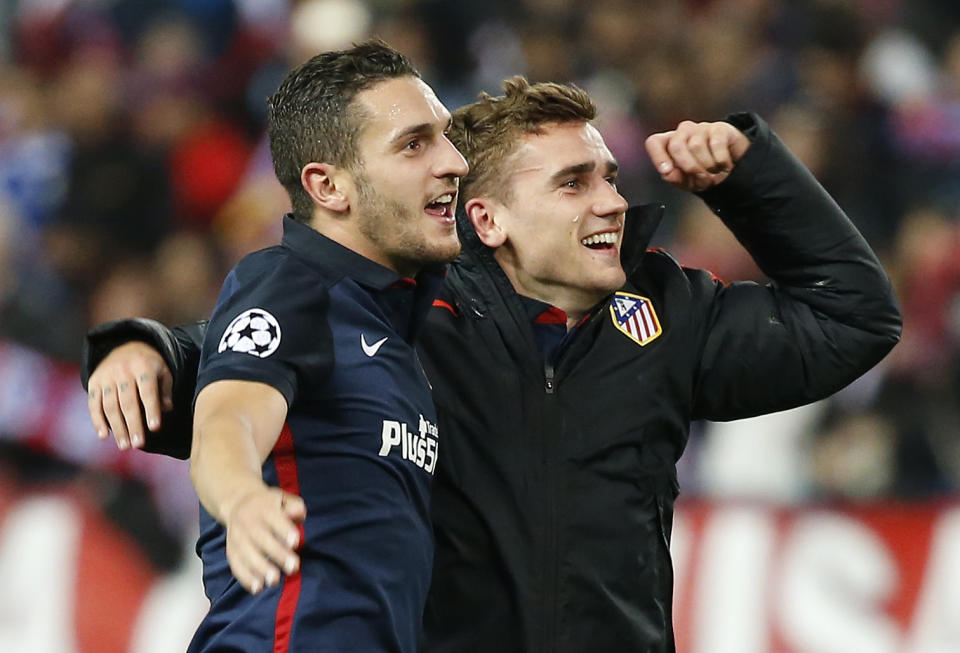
x=575, y=304
x=343, y=231
x=573, y=320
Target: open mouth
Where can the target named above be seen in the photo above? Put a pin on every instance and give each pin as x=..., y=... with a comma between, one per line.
x=602, y=241
x=442, y=206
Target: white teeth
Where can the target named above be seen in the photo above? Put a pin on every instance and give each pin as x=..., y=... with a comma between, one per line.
x=609, y=238
x=443, y=199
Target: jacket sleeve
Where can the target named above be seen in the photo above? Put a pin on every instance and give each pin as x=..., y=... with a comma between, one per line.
x=180, y=348
x=829, y=313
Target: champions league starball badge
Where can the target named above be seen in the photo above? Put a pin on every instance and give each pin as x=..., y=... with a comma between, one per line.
x=254, y=332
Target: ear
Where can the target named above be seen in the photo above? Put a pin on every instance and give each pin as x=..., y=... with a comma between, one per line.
x=483, y=213
x=327, y=185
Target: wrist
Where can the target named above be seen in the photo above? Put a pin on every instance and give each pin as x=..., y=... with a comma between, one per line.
x=235, y=497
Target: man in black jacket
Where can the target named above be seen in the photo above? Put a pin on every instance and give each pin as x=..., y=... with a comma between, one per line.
x=567, y=362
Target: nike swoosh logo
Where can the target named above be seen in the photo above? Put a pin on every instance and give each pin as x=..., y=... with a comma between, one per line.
x=371, y=350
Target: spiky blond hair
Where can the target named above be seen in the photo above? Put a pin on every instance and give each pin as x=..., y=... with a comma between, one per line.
x=487, y=131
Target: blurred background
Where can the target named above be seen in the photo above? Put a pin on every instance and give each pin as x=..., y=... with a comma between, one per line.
x=134, y=172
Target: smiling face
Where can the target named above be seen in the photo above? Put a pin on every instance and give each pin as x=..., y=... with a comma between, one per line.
x=405, y=189
x=562, y=219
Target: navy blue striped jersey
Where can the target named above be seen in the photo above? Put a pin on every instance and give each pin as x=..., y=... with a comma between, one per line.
x=334, y=333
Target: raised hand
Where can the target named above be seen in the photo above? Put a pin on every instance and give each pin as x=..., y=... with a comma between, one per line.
x=697, y=155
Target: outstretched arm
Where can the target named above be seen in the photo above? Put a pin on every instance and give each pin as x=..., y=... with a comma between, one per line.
x=237, y=425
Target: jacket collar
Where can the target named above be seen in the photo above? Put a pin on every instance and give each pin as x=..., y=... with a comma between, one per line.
x=642, y=220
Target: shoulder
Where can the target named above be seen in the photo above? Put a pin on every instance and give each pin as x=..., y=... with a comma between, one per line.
x=280, y=264
x=271, y=324
x=274, y=289
x=659, y=267
x=662, y=275
x=276, y=274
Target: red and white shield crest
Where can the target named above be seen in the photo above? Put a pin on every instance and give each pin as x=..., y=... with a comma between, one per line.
x=634, y=316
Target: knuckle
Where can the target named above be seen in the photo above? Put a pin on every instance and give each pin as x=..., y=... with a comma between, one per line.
x=256, y=565
x=275, y=554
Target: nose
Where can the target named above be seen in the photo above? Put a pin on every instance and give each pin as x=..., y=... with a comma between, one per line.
x=451, y=163
x=610, y=204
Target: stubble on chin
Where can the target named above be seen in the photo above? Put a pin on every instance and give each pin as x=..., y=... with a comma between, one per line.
x=401, y=236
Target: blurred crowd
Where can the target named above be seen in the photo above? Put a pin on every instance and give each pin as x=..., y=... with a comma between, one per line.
x=134, y=171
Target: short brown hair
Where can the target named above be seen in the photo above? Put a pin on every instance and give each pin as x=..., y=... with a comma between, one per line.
x=487, y=131
x=312, y=117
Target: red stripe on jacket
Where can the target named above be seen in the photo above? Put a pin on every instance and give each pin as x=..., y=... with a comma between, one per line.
x=439, y=303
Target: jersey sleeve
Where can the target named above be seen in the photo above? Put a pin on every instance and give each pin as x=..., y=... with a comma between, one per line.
x=270, y=325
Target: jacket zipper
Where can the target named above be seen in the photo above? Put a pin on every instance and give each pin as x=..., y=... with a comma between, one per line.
x=548, y=377
x=551, y=542
x=551, y=545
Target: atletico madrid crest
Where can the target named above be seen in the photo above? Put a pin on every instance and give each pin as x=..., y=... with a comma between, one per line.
x=634, y=316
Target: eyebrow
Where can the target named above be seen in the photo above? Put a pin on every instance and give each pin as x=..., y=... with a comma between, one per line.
x=422, y=128
x=414, y=130
x=581, y=169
